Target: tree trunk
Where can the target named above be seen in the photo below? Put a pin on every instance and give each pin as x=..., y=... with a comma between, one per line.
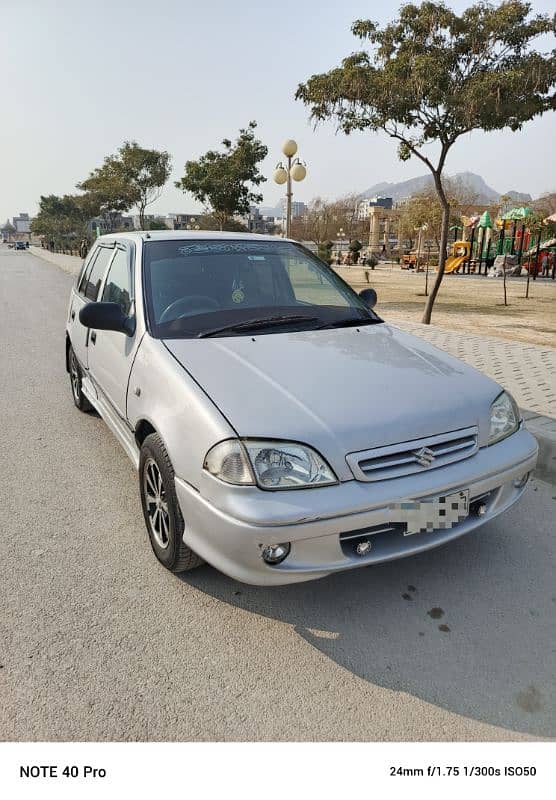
x=443, y=245
x=142, y=217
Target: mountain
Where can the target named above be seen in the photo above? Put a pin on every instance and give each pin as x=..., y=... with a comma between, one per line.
x=469, y=180
x=271, y=211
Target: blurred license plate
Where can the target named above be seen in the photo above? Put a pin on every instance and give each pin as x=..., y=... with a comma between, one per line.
x=439, y=513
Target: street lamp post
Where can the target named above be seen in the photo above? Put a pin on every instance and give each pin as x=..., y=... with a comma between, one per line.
x=420, y=229
x=341, y=236
x=295, y=170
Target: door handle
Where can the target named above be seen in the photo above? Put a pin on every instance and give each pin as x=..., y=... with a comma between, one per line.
x=93, y=336
x=73, y=314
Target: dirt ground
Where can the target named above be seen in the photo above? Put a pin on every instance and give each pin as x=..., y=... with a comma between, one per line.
x=465, y=302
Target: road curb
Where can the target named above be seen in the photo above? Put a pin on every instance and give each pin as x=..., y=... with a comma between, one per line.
x=69, y=264
x=544, y=431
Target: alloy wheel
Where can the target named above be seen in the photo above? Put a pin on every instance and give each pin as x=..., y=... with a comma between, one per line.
x=74, y=376
x=156, y=503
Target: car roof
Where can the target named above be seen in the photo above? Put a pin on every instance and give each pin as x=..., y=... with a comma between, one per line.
x=164, y=236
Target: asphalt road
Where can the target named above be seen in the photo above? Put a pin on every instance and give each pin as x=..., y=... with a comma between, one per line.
x=98, y=642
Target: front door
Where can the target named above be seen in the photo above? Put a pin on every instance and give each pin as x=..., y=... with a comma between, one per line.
x=84, y=292
x=111, y=353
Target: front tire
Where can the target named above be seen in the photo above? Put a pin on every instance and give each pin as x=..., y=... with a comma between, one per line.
x=161, y=509
x=76, y=380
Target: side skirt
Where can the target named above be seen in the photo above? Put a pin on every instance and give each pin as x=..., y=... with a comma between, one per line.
x=116, y=424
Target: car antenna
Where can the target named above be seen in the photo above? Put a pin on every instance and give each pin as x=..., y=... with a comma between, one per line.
x=147, y=235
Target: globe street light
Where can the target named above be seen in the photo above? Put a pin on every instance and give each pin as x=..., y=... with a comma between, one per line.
x=283, y=174
x=341, y=236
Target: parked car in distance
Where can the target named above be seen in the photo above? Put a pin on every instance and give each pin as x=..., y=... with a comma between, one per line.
x=20, y=245
x=282, y=431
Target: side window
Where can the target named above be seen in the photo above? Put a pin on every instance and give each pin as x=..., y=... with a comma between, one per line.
x=94, y=278
x=117, y=288
x=311, y=285
x=85, y=270
x=87, y=263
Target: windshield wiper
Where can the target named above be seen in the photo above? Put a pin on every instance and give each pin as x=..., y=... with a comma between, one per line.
x=350, y=322
x=259, y=322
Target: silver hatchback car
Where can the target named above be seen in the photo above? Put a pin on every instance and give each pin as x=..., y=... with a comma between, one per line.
x=281, y=429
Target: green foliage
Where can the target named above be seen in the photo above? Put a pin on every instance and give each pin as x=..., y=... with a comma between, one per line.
x=63, y=219
x=355, y=248
x=209, y=222
x=221, y=180
x=325, y=251
x=157, y=224
x=133, y=177
x=432, y=75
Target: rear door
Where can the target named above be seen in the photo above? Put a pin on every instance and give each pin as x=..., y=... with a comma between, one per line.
x=111, y=353
x=85, y=291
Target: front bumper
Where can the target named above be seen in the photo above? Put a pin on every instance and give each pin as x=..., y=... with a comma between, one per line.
x=229, y=526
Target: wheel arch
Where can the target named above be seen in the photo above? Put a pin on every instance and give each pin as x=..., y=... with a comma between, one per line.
x=143, y=429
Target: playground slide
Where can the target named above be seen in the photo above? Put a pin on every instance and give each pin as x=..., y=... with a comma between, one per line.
x=454, y=262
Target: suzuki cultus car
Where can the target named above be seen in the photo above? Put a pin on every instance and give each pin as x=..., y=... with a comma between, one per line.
x=282, y=431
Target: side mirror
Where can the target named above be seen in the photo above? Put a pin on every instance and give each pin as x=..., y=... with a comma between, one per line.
x=368, y=296
x=106, y=317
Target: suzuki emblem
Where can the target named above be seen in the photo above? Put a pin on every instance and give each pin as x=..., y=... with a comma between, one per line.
x=424, y=456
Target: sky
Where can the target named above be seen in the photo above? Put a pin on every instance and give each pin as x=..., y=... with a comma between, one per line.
x=79, y=78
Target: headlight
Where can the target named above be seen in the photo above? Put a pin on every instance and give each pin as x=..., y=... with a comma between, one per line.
x=504, y=418
x=272, y=465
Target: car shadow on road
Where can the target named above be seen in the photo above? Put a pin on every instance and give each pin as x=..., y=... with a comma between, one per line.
x=467, y=627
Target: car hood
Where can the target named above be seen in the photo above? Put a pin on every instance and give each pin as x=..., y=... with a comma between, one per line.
x=340, y=390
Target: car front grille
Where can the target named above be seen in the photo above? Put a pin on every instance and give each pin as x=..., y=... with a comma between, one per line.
x=418, y=455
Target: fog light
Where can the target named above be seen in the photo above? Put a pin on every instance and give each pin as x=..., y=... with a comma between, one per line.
x=363, y=548
x=519, y=483
x=481, y=510
x=276, y=553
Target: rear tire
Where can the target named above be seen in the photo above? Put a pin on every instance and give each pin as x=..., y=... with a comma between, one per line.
x=161, y=509
x=76, y=379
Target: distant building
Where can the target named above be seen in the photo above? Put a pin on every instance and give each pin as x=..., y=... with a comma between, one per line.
x=182, y=222
x=299, y=209
x=117, y=222
x=364, y=205
x=19, y=229
x=255, y=222
x=22, y=223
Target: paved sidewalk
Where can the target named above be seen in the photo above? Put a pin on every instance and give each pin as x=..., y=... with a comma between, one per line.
x=527, y=371
x=71, y=264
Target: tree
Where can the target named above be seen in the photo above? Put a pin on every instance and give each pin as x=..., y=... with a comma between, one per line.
x=433, y=75
x=425, y=208
x=355, y=248
x=316, y=224
x=221, y=181
x=208, y=222
x=325, y=251
x=62, y=219
x=134, y=177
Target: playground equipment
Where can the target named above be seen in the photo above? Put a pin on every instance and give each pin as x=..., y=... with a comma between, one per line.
x=461, y=252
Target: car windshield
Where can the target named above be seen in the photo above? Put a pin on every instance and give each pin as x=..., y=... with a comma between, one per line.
x=215, y=287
